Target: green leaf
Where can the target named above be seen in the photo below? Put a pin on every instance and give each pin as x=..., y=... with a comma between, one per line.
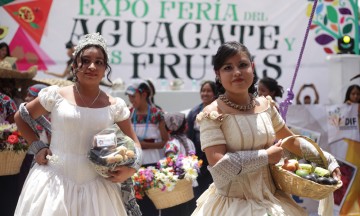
x=325, y=20
x=34, y=25
x=347, y=28
x=332, y=14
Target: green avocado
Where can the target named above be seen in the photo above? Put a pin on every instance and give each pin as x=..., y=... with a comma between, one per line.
x=301, y=172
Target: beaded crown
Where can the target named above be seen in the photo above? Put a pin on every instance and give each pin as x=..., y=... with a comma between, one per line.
x=91, y=39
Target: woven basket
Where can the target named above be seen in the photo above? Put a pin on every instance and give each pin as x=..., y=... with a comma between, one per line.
x=182, y=193
x=10, y=162
x=58, y=82
x=15, y=74
x=291, y=183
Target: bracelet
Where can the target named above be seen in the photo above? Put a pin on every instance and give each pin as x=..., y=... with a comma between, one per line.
x=37, y=145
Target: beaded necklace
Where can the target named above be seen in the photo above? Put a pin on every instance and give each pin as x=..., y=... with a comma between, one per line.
x=242, y=108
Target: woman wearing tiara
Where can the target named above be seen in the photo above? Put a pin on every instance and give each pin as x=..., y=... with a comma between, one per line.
x=64, y=181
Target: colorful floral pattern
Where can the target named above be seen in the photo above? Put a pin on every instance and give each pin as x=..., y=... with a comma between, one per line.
x=169, y=170
x=156, y=115
x=7, y=107
x=213, y=115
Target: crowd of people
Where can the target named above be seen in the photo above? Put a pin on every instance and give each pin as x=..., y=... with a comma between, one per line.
x=220, y=130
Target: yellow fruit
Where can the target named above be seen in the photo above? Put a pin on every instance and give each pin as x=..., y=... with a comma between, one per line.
x=322, y=172
x=306, y=167
x=301, y=172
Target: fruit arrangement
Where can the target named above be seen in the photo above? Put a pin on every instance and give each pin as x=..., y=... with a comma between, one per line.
x=307, y=171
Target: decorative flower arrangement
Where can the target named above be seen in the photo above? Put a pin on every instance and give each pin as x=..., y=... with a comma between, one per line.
x=167, y=173
x=213, y=115
x=10, y=139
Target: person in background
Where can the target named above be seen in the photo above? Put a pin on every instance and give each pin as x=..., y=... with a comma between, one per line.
x=352, y=94
x=237, y=133
x=208, y=93
x=44, y=136
x=8, y=87
x=8, y=109
x=153, y=92
x=269, y=87
x=5, y=52
x=178, y=144
x=351, y=204
x=307, y=98
x=70, y=47
x=64, y=182
x=149, y=126
x=9, y=189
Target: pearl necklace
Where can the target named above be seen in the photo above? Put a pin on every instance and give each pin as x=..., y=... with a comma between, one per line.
x=242, y=108
x=83, y=99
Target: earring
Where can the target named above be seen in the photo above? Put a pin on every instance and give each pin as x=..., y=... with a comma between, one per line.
x=74, y=78
x=217, y=79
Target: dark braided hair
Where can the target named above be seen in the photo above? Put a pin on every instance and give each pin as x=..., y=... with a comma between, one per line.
x=273, y=86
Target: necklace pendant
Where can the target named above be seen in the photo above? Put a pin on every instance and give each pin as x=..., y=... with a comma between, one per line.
x=77, y=90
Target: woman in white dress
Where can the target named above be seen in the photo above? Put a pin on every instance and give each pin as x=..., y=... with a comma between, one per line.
x=237, y=133
x=66, y=183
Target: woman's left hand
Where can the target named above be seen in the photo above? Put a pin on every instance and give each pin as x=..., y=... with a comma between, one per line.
x=120, y=174
x=336, y=174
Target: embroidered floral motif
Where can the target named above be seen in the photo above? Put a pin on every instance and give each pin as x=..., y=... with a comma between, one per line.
x=156, y=115
x=213, y=115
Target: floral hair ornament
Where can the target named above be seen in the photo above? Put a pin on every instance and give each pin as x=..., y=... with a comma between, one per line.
x=91, y=39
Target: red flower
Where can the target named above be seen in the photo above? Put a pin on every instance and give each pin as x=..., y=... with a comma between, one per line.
x=138, y=195
x=13, y=139
x=39, y=128
x=16, y=133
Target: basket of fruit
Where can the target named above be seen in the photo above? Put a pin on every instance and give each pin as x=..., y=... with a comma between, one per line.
x=304, y=180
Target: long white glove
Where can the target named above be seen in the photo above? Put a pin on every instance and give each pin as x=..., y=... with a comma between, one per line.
x=311, y=154
x=237, y=163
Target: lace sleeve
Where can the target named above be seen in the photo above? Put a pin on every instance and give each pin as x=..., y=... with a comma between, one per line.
x=276, y=119
x=210, y=129
x=120, y=111
x=48, y=97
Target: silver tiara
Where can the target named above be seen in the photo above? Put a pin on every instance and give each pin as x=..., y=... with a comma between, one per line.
x=91, y=39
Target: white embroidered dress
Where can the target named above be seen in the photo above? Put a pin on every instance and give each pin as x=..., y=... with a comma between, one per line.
x=252, y=193
x=70, y=185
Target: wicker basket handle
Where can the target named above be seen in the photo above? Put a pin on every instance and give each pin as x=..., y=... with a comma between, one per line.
x=322, y=156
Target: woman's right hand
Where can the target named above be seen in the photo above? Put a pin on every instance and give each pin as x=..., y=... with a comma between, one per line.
x=40, y=157
x=275, y=152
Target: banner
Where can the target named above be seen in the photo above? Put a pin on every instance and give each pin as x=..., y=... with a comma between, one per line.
x=164, y=40
x=343, y=122
x=318, y=123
